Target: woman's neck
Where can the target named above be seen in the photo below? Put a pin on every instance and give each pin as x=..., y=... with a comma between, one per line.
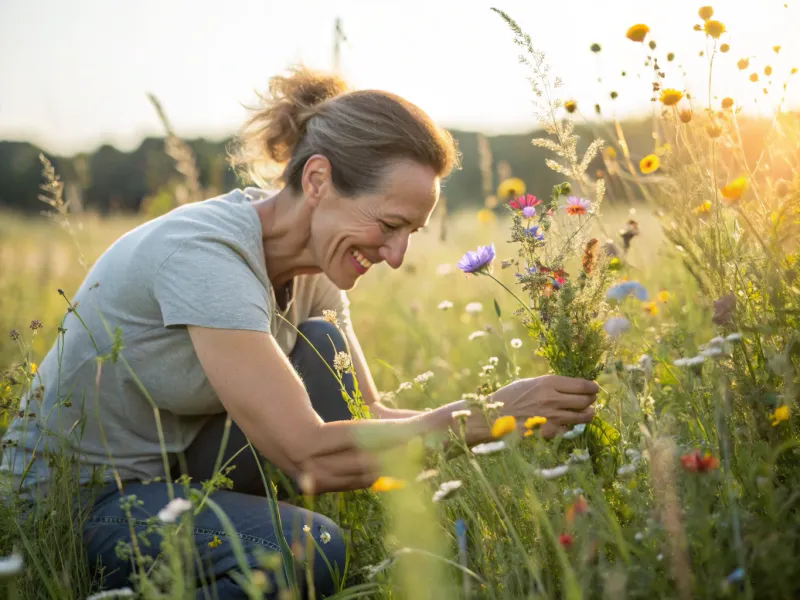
x=286, y=234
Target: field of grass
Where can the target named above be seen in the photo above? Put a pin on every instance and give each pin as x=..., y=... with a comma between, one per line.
x=685, y=484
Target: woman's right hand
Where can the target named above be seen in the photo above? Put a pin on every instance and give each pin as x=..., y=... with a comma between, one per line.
x=563, y=401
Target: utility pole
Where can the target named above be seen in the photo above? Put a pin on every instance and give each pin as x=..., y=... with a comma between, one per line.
x=338, y=38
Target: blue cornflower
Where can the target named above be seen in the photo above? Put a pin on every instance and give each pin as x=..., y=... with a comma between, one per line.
x=478, y=260
x=622, y=290
x=535, y=233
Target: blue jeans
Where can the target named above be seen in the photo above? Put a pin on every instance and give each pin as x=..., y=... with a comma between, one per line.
x=247, y=505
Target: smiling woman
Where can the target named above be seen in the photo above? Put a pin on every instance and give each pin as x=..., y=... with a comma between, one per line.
x=209, y=300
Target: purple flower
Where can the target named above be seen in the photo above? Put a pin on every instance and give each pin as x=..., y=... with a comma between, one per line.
x=528, y=212
x=535, y=233
x=478, y=260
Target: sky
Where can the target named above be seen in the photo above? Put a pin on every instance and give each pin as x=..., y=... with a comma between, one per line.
x=75, y=74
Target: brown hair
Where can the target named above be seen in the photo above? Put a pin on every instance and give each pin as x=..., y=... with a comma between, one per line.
x=361, y=133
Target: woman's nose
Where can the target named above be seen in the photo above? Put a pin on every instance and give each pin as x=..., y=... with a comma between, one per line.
x=394, y=251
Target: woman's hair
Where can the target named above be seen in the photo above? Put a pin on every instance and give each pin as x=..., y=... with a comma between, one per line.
x=361, y=133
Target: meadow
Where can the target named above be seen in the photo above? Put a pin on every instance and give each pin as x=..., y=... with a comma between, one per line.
x=683, y=306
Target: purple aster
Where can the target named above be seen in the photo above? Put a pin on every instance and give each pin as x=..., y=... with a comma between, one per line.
x=478, y=260
x=528, y=212
x=535, y=233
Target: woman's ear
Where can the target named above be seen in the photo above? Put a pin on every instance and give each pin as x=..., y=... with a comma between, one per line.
x=316, y=179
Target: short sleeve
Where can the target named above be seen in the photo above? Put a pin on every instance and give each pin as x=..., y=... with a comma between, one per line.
x=329, y=297
x=206, y=283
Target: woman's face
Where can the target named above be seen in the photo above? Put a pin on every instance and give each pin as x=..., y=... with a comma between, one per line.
x=351, y=234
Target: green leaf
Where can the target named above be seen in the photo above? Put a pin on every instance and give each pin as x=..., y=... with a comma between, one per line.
x=497, y=308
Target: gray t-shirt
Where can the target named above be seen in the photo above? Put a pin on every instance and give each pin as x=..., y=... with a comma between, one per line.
x=201, y=264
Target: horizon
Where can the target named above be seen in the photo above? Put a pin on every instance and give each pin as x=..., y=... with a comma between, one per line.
x=81, y=81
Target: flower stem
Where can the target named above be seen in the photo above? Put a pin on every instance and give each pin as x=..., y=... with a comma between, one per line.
x=528, y=308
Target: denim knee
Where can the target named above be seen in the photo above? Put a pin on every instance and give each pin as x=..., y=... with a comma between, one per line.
x=323, y=336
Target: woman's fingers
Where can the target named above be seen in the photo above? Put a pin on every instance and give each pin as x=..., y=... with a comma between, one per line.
x=568, y=417
x=572, y=385
x=575, y=401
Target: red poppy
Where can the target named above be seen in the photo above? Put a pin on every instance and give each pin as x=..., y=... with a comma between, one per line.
x=565, y=540
x=521, y=202
x=699, y=463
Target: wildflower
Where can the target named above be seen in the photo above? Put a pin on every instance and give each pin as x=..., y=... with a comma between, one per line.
x=776, y=49
x=384, y=483
x=637, y=33
x=553, y=473
x=609, y=153
x=779, y=415
x=476, y=334
x=685, y=115
x=445, y=304
x=614, y=95
x=651, y=308
x=14, y=334
x=36, y=324
x=485, y=216
x=535, y=232
x=495, y=405
x=508, y=188
x=670, y=97
x=714, y=29
x=532, y=422
x=324, y=537
x=489, y=447
x=341, y=362
x=767, y=70
x=427, y=474
x=628, y=469
x=595, y=48
x=743, y=63
x=589, y=258
x=34, y=368
x=639, y=536
x=575, y=431
x=528, y=212
x=217, y=542
x=622, y=290
x=173, y=510
x=702, y=209
x=726, y=103
x=493, y=360
x=734, y=190
x=724, y=48
x=565, y=540
x=578, y=456
x=649, y=164
x=503, y=426
x=473, y=307
x=461, y=414
x=652, y=44
x=663, y=296
x=478, y=260
x=331, y=317
x=689, y=362
x=406, y=385
x=516, y=343
x=446, y=489
x=697, y=463
x=753, y=77
x=734, y=337
x=577, y=206
x=444, y=269
x=125, y=592
x=570, y=106
x=705, y=12
x=713, y=130
x=423, y=377
x=307, y=528
x=521, y=202
x=616, y=326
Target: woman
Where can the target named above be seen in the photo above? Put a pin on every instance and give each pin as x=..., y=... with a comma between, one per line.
x=196, y=311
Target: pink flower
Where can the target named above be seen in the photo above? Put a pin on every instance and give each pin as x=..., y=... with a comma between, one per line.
x=521, y=202
x=577, y=206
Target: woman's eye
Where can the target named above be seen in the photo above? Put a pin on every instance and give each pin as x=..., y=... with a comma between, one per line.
x=387, y=227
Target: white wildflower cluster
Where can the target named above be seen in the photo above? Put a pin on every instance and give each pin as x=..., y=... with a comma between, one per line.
x=446, y=489
x=494, y=405
x=489, y=447
x=578, y=456
x=427, y=474
x=629, y=469
x=125, y=592
x=331, y=317
x=406, y=385
x=11, y=565
x=341, y=362
x=553, y=473
x=575, y=431
x=461, y=414
x=422, y=378
x=616, y=326
x=516, y=343
x=476, y=334
x=174, y=509
x=445, y=305
x=716, y=347
x=473, y=308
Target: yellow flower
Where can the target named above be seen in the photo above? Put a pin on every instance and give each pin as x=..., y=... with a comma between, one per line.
x=384, y=483
x=571, y=106
x=34, y=368
x=610, y=153
x=713, y=130
x=685, y=115
x=663, y=296
x=705, y=12
x=485, y=216
x=743, y=63
x=714, y=29
x=511, y=188
x=637, y=33
x=503, y=426
x=734, y=190
x=703, y=209
x=727, y=102
x=532, y=422
x=724, y=48
x=670, y=97
x=767, y=70
x=651, y=308
x=753, y=77
x=780, y=414
x=776, y=49
x=215, y=542
x=649, y=164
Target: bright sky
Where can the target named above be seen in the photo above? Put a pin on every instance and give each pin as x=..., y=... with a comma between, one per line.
x=74, y=74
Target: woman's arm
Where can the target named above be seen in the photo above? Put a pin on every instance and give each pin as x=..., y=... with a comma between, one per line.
x=264, y=396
